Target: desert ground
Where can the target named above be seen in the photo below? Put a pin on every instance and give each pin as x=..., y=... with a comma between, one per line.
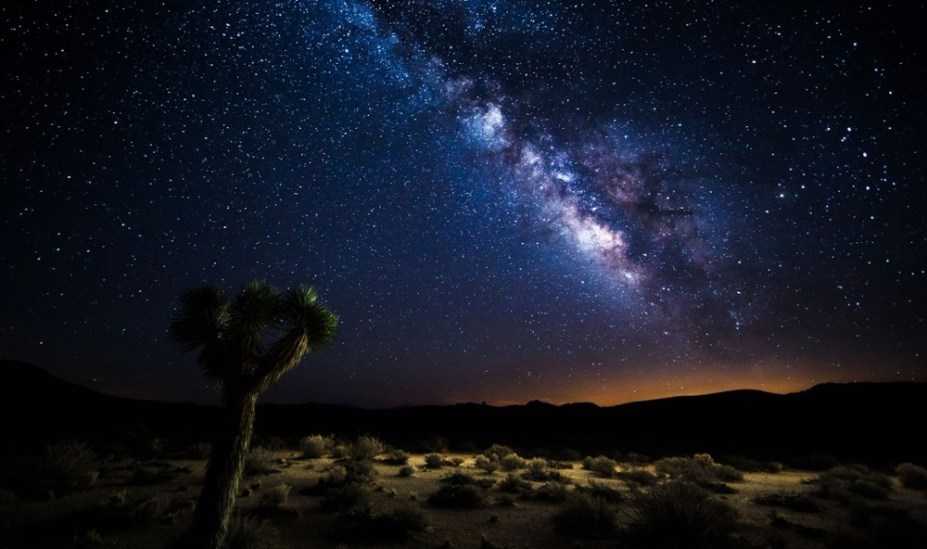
x=386, y=497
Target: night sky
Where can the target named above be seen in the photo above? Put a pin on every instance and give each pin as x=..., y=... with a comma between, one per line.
x=502, y=200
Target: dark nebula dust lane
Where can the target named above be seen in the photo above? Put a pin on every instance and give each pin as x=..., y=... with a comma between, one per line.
x=503, y=200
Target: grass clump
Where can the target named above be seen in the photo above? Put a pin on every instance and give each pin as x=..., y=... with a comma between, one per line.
x=316, y=446
x=585, y=515
x=679, y=514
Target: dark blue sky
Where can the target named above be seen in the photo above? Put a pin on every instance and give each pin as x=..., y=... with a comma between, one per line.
x=503, y=200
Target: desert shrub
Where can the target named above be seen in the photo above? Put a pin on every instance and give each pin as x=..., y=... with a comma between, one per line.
x=841, y=482
x=600, y=465
x=351, y=496
x=316, y=446
x=603, y=491
x=486, y=464
x=511, y=462
x=513, y=484
x=559, y=465
x=794, y=502
x=434, y=461
x=497, y=452
x=365, y=448
x=406, y=470
x=457, y=496
x=456, y=461
x=537, y=470
x=358, y=471
x=260, y=461
x=70, y=465
x=276, y=496
x=551, y=491
x=679, y=514
x=395, y=526
x=396, y=457
x=637, y=477
x=585, y=515
x=699, y=469
x=638, y=459
x=912, y=476
x=457, y=479
x=340, y=451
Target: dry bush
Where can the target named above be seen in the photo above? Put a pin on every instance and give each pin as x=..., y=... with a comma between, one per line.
x=406, y=470
x=512, y=462
x=514, y=484
x=680, y=514
x=841, y=483
x=585, y=515
x=260, y=461
x=603, y=491
x=486, y=464
x=316, y=446
x=637, y=478
x=601, y=465
x=366, y=448
x=434, y=461
x=497, y=452
x=396, y=457
x=457, y=496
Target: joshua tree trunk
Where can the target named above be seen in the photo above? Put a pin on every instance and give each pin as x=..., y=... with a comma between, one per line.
x=226, y=464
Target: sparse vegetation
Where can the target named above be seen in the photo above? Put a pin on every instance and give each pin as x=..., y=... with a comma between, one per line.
x=603, y=491
x=261, y=461
x=406, y=470
x=551, y=491
x=637, y=478
x=366, y=448
x=679, y=514
x=603, y=466
x=396, y=457
x=316, y=446
x=396, y=526
x=514, y=484
x=842, y=482
x=434, y=461
x=486, y=464
x=585, y=515
x=457, y=496
x=511, y=462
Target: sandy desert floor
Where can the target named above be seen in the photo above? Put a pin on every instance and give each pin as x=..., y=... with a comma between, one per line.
x=148, y=504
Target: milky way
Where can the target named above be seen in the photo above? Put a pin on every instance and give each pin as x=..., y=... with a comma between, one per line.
x=503, y=200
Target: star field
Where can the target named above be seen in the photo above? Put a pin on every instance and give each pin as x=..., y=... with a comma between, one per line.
x=502, y=200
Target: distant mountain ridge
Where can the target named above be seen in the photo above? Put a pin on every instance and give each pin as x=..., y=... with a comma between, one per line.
x=874, y=422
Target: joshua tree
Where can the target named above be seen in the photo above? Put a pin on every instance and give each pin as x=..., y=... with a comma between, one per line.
x=246, y=345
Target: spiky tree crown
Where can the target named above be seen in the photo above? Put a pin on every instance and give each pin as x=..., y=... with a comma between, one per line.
x=251, y=340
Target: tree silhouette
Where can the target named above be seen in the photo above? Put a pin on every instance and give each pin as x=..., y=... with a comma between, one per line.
x=246, y=345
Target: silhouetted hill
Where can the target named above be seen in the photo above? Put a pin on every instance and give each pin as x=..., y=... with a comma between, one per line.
x=873, y=422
